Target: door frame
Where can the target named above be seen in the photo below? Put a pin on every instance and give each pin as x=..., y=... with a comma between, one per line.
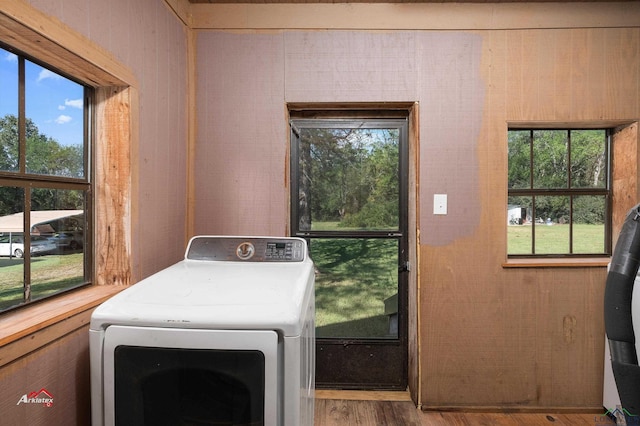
x=408, y=110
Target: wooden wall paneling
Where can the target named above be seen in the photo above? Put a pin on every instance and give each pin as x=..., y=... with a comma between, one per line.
x=492, y=140
x=622, y=60
x=451, y=92
x=62, y=369
x=593, y=350
x=561, y=53
x=541, y=100
x=101, y=26
x=567, y=336
x=515, y=320
x=549, y=336
x=522, y=344
x=461, y=339
x=522, y=99
x=161, y=192
x=242, y=135
x=589, y=80
x=350, y=67
x=624, y=150
x=597, y=86
x=154, y=41
x=460, y=304
x=542, y=343
x=489, y=336
x=38, y=339
x=578, y=76
x=151, y=166
x=192, y=129
x=73, y=11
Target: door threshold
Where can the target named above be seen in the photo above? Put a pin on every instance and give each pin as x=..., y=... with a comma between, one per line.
x=356, y=395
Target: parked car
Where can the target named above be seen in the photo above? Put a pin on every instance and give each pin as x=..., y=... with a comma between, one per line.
x=13, y=245
x=72, y=240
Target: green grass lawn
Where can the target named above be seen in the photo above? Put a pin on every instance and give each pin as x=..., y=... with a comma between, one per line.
x=49, y=274
x=554, y=239
x=354, y=277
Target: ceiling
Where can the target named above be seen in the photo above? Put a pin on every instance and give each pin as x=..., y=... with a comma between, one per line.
x=393, y=1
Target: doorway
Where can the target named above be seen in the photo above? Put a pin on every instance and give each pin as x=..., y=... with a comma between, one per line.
x=349, y=192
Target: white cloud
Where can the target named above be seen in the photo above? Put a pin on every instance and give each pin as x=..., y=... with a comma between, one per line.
x=63, y=119
x=10, y=57
x=75, y=103
x=45, y=74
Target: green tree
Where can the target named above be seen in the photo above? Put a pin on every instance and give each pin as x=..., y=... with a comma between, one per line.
x=519, y=159
x=380, y=200
x=43, y=156
x=555, y=166
x=9, y=155
x=588, y=168
x=350, y=176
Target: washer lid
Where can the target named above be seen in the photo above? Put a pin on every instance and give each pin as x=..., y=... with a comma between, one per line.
x=221, y=295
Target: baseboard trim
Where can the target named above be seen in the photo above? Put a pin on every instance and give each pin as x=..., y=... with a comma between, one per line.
x=363, y=395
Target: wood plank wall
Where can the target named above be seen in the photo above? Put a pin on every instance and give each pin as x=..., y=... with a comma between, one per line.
x=489, y=337
x=134, y=54
x=60, y=368
x=527, y=337
x=486, y=336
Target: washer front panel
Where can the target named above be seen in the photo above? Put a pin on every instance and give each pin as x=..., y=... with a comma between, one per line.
x=264, y=341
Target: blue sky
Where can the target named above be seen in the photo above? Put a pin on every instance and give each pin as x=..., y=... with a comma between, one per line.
x=53, y=103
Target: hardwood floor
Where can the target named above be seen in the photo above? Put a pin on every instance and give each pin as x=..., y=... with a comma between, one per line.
x=348, y=412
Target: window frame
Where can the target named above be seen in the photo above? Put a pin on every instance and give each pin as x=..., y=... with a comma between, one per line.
x=28, y=181
x=606, y=192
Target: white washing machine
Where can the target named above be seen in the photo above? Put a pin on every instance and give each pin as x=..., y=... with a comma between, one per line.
x=225, y=336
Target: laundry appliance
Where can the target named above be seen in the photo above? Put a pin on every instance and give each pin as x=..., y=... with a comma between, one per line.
x=611, y=398
x=621, y=394
x=225, y=336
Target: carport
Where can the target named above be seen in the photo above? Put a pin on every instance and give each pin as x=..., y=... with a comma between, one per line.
x=40, y=222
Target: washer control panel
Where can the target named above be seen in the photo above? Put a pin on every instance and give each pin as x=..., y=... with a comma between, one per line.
x=247, y=249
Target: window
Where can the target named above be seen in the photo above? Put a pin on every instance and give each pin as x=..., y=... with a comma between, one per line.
x=44, y=181
x=559, y=192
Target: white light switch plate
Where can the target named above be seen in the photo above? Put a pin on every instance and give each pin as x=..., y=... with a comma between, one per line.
x=439, y=203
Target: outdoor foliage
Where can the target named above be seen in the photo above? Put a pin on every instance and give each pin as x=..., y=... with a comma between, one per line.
x=43, y=156
x=349, y=176
x=557, y=160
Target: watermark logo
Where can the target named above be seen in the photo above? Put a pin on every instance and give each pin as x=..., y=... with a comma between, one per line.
x=40, y=397
x=620, y=415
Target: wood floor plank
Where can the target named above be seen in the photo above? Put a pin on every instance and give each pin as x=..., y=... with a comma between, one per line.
x=344, y=412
